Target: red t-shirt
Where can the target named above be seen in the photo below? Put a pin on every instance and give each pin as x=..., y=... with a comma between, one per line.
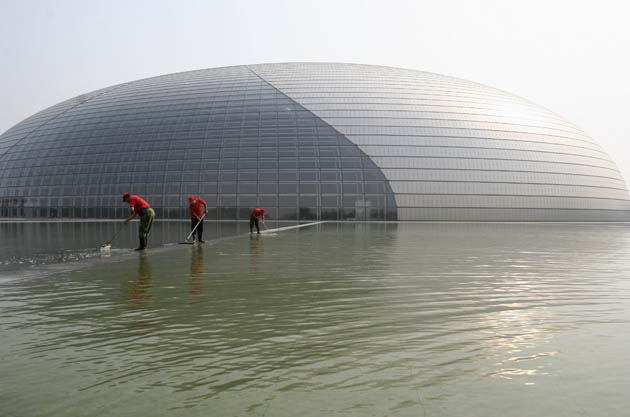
x=258, y=212
x=137, y=203
x=196, y=209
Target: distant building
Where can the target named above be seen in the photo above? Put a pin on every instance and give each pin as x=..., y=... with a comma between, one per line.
x=308, y=141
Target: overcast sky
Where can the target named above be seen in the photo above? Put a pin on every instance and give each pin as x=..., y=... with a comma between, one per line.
x=569, y=56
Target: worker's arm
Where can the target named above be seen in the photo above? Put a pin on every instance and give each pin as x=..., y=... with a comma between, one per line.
x=193, y=213
x=131, y=216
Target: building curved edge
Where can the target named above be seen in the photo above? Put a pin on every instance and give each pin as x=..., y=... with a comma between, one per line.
x=445, y=149
x=457, y=150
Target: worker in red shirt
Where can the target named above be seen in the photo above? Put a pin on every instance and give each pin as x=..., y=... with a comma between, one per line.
x=139, y=207
x=197, y=208
x=257, y=214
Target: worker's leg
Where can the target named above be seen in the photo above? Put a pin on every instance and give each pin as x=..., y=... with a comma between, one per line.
x=200, y=231
x=193, y=223
x=146, y=222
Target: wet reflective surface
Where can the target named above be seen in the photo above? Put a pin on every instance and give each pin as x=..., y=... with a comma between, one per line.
x=332, y=319
x=61, y=244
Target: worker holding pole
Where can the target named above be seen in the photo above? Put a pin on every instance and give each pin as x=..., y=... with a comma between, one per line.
x=197, y=208
x=256, y=215
x=139, y=207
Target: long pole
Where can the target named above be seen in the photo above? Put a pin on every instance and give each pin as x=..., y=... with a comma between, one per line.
x=115, y=234
x=195, y=228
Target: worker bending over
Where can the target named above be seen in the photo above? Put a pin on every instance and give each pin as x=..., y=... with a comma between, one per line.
x=257, y=214
x=139, y=207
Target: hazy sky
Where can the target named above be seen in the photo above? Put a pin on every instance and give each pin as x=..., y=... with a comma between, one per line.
x=572, y=57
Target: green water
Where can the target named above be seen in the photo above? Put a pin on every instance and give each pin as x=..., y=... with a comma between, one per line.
x=328, y=320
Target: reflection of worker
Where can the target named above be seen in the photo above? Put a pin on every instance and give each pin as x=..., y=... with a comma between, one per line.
x=139, y=289
x=196, y=270
x=197, y=208
x=139, y=207
x=256, y=251
x=257, y=214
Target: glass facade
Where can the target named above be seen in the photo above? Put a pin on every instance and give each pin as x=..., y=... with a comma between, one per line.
x=452, y=149
x=308, y=142
x=225, y=135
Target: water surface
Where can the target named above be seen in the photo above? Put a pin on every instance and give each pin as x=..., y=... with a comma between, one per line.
x=334, y=319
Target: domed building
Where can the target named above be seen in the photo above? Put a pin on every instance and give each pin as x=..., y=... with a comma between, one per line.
x=308, y=141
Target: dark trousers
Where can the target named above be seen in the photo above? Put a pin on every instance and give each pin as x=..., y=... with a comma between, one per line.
x=146, y=221
x=253, y=221
x=199, y=230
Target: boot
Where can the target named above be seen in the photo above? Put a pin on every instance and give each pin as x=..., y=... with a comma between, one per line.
x=199, y=239
x=143, y=244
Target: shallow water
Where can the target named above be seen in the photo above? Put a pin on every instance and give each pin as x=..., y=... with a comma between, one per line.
x=332, y=319
x=34, y=244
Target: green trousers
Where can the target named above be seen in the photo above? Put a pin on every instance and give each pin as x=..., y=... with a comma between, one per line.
x=146, y=221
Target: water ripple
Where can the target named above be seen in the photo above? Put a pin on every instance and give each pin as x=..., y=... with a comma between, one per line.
x=391, y=321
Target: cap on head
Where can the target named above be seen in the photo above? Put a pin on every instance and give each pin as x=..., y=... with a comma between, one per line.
x=191, y=198
x=264, y=211
x=125, y=196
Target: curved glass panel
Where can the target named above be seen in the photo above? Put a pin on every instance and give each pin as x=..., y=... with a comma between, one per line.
x=471, y=150
x=223, y=134
x=308, y=141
